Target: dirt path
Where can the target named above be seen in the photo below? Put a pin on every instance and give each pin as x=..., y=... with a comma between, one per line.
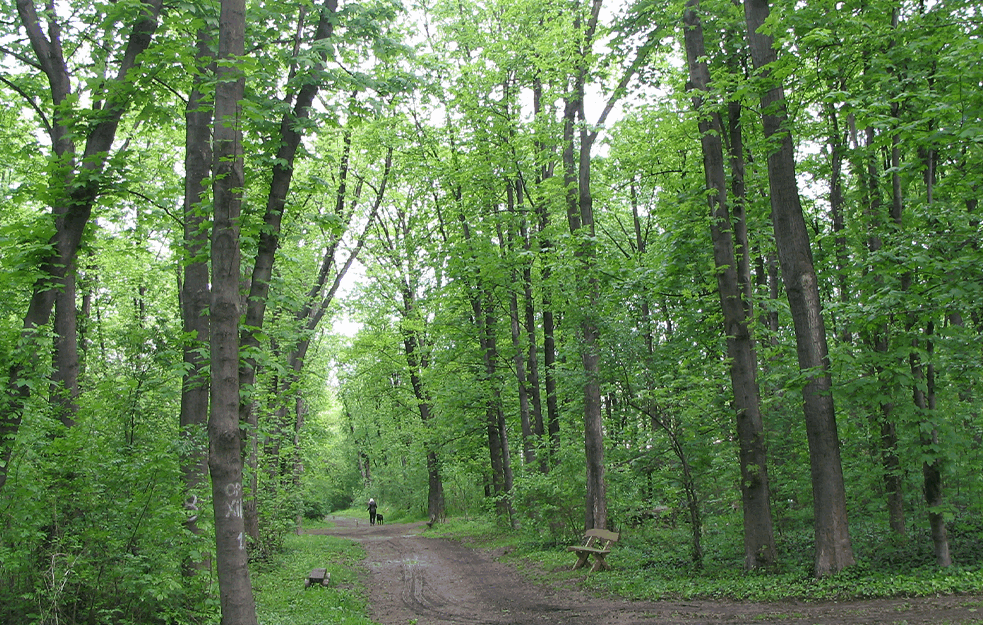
x=433, y=581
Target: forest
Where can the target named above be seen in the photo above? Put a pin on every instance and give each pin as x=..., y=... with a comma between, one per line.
x=702, y=265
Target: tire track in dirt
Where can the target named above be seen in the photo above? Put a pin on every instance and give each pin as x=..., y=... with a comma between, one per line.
x=433, y=581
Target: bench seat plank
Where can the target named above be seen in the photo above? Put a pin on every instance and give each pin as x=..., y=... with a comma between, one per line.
x=588, y=549
x=317, y=576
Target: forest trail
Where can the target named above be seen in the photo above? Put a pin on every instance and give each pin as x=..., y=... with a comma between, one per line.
x=433, y=581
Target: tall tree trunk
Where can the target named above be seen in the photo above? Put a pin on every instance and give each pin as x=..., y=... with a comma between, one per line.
x=884, y=421
x=498, y=440
x=579, y=203
x=65, y=382
x=417, y=362
x=482, y=307
x=194, y=288
x=925, y=400
x=759, y=540
x=532, y=351
x=837, y=147
x=924, y=378
x=834, y=551
x=321, y=295
x=529, y=440
x=225, y=458
x=552, y=415
x=519, y=362
x=580, y=219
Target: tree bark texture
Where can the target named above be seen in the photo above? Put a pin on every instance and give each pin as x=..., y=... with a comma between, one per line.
x=195, y=292
x=759, y=540
x=225, y=443
x=834, y=551
x=65, y=374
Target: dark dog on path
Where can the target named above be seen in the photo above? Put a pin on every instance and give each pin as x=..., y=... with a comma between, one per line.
x=378, y=519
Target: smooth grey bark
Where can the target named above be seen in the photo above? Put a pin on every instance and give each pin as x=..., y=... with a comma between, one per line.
x=225, y=443
x=834, y=550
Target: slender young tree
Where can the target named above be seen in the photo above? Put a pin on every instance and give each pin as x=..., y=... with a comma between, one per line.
x=320, y=297
x=578, y=143
x=759, y=540
x=290, y=135
x=400, y=255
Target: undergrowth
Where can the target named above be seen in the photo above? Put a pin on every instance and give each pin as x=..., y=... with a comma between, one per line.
x=654, y=563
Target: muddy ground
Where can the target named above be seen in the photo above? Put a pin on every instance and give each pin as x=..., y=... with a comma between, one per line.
x=413, y=579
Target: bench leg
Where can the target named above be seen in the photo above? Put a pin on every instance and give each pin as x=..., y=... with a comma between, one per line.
x=600, y=564
x=581, y=560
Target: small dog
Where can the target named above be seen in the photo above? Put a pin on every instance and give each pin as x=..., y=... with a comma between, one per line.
x=378, y=519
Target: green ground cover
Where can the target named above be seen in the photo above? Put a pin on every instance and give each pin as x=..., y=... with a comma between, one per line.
x=649, y=564
x=281, y=598
x=653, y=563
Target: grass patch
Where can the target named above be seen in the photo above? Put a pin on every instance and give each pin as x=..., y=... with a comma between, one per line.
x=281, y=598
x=393, y=515
x=479, y=532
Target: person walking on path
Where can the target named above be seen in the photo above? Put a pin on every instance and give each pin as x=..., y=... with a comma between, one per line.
x=372, y=509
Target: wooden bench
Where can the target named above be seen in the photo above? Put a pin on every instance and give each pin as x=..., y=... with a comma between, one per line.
x=597, y=543
x=317, y=576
